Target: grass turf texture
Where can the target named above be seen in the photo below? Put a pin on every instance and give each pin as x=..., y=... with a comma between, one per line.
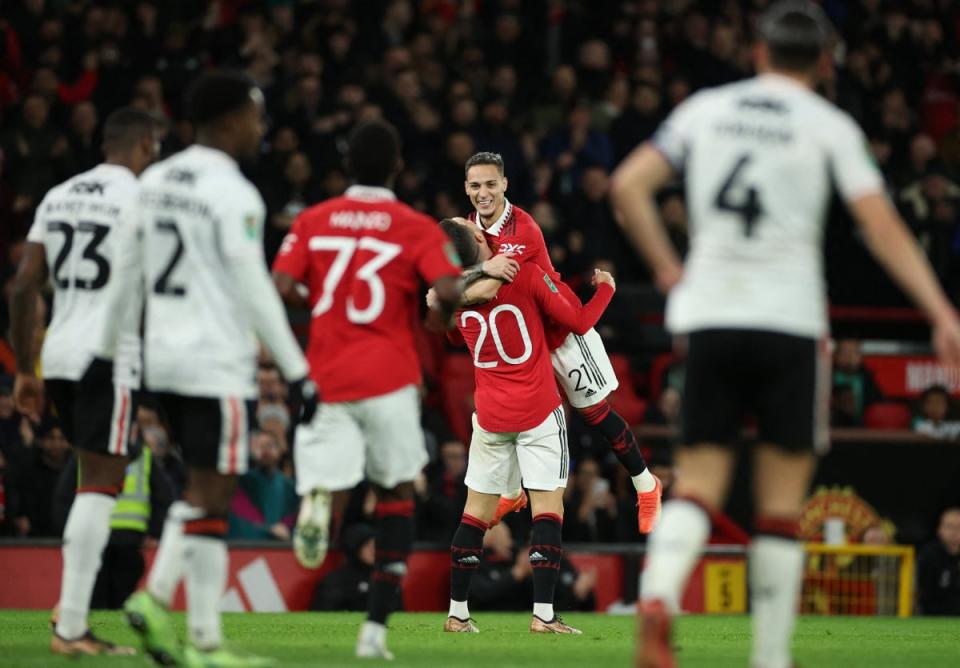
x=327, y=639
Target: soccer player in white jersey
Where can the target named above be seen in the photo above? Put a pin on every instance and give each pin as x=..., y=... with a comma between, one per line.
x=74, y=239
x=759, y=159
x=208, y=299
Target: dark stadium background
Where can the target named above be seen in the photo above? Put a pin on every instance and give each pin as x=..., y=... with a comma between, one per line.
x=563, y=90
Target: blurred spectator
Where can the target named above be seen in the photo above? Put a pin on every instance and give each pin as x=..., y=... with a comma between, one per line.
x=297, y=190
x=38, y=480
x=348, y=586
x=9, y=500
x=849, y=372
x=504, y=580
x=936, y=416
x=16, y=432
x=265, y=503
x=590, y=509
x=84, y=143
x=274, y=419
x=938, y=569
x=666, y=410
x=444, y=494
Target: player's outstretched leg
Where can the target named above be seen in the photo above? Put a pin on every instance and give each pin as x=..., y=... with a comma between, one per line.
x=546, y=551
x=148, y=611
x=205, y=567
x=622, y=440
x=466, y=553
x=395, y=531
x=776, y=557
x=84, y=538
x=311, y=536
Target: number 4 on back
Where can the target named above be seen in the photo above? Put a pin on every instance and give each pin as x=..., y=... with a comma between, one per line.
x=749, y=208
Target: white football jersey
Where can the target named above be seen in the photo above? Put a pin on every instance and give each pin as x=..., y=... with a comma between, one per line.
x=206, y=281
x=82, y=223
x=760, y=159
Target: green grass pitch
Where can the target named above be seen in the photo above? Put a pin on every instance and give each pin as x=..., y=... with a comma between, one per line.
x=326, y=639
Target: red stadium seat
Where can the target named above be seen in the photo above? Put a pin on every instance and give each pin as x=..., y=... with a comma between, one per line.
x=625, y=400
x=456, y=379
x=658, y=371
x=887, y=415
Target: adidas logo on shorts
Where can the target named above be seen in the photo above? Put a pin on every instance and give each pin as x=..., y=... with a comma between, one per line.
x=536, y=556
x=590, y=392
x=472, y=559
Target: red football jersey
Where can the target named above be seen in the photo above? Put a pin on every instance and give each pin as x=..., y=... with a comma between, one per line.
x=517, y=232
x=516, y=389
x=361, y=257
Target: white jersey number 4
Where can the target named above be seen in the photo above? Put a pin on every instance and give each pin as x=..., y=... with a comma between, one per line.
x=345, y=247
x=739, y=198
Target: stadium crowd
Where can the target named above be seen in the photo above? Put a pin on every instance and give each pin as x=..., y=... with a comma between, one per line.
x=562, y=89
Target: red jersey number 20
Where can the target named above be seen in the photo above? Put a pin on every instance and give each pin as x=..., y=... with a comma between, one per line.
x=345, y=247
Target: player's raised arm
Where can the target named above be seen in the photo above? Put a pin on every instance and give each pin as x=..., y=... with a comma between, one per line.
x=578, y=319
x=28, y=389
x=241, y=235
x=861, y=185
x=635, y=184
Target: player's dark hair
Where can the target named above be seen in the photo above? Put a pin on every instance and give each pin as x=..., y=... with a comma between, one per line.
x=484, y=158
x=216, y=94
x=463, y=241
x=373, y=153
x=127, y=126
x=796, y=33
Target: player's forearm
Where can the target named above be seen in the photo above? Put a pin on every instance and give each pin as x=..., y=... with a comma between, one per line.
x=635, y=184
x=895, y=248
x=23, y=315
x=579, y=319
x=481, y=291
x=268, y=316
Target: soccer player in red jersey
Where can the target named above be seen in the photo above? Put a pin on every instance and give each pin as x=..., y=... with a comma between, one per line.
x=580, y=361
x=362, y=257
x=518, y=428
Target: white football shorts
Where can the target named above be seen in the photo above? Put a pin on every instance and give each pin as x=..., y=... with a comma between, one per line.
x=584, y=370
x=379, y=438
x=539, y=457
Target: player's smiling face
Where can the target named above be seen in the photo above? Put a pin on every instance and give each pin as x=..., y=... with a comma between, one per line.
x=485, y=187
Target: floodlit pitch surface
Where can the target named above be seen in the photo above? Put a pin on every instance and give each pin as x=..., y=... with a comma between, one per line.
x=327, y=639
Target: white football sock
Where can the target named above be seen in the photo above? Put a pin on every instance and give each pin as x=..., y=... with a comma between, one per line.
x=167, y=566
x=776, y=571
x=205, y=570
x=544, y=611
x=459, y=610
x=644, y=482
x=673, y=550
x=84, y=537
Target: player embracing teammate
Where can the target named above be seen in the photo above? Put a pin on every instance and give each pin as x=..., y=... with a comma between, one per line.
x=519, y=430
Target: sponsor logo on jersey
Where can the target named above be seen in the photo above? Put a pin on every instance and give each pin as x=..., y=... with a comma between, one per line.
x=550, y=283
x=536, y=556
x=472, y=559
x=88, y=188
x=184, y=176
x=516, y=249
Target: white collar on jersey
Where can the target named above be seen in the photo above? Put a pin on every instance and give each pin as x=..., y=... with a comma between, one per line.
x=370, y=193
x=214, y=153
x=494, y=230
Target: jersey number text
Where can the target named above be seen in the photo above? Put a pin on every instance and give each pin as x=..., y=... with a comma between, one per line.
x=90, y=253
x=747, y=205
x=163, y=284
x=345, y=247
x=495, y=333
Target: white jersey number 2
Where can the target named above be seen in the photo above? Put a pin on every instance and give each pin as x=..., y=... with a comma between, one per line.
x=521, y=325
x=345, y=247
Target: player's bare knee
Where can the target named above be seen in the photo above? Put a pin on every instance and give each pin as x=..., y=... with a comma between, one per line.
x=100, y=470
x=543, y=501
x=481, y=506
